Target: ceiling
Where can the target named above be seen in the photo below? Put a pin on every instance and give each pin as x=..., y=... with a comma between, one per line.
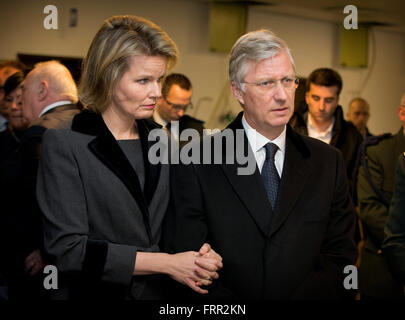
x=382, y=14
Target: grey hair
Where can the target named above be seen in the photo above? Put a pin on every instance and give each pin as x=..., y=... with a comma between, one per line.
x=59, y=78
x=254, y=46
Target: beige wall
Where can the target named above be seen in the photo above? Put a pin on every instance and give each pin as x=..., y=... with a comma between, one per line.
x=314, y=44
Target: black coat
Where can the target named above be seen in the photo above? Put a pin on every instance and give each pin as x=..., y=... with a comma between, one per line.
x=296, y=252
x=345, y=137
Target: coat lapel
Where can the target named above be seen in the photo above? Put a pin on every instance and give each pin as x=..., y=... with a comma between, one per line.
x=106, y=149
x=296, y=171
x=249, y=188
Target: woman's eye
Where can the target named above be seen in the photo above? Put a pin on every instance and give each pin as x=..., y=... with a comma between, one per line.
x=142, y=81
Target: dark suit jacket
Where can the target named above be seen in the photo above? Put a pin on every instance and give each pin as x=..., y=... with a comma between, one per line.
x=394, y=243
x=96, y=216
x=296, y=252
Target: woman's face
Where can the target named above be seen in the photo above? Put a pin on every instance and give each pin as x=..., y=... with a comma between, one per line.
x=136, y=94
x=14, y=101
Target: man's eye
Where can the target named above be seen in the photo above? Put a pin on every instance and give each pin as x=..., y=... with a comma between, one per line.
x=328, y=100
x=266, y=83
x=287, y=80
x=142, y=81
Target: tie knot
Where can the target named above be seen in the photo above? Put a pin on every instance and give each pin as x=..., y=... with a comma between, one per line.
x=271, y=150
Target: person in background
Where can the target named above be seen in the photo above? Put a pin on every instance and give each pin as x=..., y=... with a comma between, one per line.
x=324, y=119
x=7, y=68
x=15, y=246
x=103, y=201
x=358, y=114
x=173, y=104
x=375, y=279
x=394, y=243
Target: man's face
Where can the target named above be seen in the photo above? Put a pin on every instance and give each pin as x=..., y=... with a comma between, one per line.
x=30, y=90
x=4, y=74
x=358, y=114
x=173, y=107
x=268, y=99
x=322, y=102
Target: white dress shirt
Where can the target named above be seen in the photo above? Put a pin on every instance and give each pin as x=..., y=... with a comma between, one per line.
x=257, y=143
x=174, y=126
x=313, y=132
x=54, y=105
x=3, y=123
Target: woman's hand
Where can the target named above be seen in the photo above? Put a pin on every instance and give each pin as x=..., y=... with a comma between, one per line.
x=194, y=270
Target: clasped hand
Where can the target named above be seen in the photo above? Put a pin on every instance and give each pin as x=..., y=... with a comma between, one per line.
x=196, y=269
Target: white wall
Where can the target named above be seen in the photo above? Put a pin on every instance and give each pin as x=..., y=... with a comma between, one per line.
x=314, y=44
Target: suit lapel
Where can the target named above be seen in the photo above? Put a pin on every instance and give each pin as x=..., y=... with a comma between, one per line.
x=249, y=188
x=296, y=171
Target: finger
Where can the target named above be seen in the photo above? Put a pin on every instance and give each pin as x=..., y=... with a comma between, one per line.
x=204, y=249
x=202, y=274
x=28, y=265
x=204, y=282
x=209, y=264
x=213, y=255
x=192, y=285
x=35, y=269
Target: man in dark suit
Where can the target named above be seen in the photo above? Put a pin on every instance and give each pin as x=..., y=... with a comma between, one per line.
x=49, y=97
x=284, y=225
x=173, y=104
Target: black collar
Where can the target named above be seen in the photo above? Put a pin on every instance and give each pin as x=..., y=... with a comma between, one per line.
x=106, y=148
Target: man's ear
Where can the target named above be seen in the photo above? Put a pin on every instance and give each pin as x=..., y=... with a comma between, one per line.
x=43, y=90
x=401, y=114
x=237, y=93
x=307, y=97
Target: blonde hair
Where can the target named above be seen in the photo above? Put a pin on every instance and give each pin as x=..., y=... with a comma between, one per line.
x=119, y=38
x=59, y=79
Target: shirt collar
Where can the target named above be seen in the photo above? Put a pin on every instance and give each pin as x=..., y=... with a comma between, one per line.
x=312, y=127
x=158, y=119
x=257, y=141
x=54, y=105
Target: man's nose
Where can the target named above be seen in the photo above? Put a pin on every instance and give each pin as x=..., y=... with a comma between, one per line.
x=280, y=92
x=180, y=113
x=14, y=106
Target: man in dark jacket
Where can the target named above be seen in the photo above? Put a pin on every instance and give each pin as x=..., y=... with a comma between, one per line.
x=49, y=97
x=173, y=104
x=324, y=117
x=375, y=279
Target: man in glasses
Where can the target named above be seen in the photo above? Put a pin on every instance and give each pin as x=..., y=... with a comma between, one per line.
x=284, y=229
x=323, y=118
x=173, y=104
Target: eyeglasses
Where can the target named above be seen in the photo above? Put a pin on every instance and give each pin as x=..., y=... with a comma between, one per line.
x=288, y=83
x=179, y=107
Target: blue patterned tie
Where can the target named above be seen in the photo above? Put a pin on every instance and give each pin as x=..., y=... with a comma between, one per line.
x=269, y=173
